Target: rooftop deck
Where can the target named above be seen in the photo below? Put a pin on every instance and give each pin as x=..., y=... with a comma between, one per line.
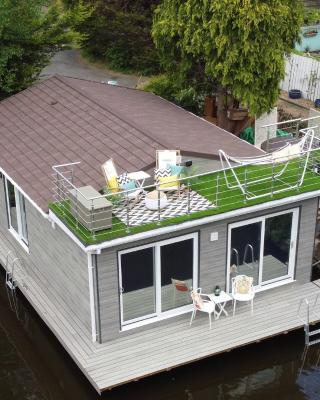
x=202, y=195
x=172, y=344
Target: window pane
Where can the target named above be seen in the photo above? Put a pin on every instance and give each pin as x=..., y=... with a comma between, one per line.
x=24, y=231
x=12, y=207
x=176, y=264
x=277, y=240
x=245, y=251
x=138, y=288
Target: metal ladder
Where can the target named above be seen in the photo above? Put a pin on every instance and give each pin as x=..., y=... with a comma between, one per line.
x=12, y=265
x=245, y=256
x=311, y=336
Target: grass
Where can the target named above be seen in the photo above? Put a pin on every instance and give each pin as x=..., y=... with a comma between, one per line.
x=214, y=188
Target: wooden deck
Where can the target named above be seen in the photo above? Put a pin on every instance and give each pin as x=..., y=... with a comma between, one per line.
x=137, y=355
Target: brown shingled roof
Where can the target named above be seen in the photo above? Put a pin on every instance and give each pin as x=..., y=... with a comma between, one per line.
x=63, y=120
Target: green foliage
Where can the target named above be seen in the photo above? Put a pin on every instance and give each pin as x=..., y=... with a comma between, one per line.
x=118, y=33
x=30, y=34
x=239, y=44
x=184, y=95
x=311, y=16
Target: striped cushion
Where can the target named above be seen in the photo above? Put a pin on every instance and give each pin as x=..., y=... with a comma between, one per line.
x=161, y=173
x=123, y=179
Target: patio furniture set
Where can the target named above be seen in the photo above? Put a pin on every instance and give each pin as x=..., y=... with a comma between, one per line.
x=242, y=290
x=166, y=175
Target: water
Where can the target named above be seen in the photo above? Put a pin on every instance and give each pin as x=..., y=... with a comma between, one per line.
x=35, y=367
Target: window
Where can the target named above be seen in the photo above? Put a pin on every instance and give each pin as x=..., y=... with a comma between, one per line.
x=16, y=212
x=154, y=279
x=263, y=248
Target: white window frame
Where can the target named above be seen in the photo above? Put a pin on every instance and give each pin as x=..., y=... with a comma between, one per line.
x=159, y=315
x=293, y=247
x=21, y=215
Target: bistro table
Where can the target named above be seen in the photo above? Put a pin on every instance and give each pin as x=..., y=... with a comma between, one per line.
x=220, y=301
x=139, y=177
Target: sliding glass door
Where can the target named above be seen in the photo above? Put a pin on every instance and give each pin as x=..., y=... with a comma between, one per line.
x=263, y=248
x=155, y=279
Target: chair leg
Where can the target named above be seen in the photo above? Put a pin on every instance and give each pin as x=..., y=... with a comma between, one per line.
x=234, y=306
x=193, y=316
x=209, y=320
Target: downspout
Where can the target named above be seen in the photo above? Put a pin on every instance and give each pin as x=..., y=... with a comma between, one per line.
x=91, y=268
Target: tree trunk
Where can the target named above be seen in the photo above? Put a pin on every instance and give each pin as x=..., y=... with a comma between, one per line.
x=222, y=119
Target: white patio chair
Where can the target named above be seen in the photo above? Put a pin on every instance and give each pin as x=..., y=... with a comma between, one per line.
x=167, y=157
x=242, y=290
x=110, y=173
x=279, y=160
x=202, y=302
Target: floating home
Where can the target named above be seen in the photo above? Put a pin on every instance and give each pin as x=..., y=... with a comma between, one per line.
x=106, y=267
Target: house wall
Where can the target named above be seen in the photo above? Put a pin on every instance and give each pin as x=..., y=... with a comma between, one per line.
x=212, y=262
x=55, y=262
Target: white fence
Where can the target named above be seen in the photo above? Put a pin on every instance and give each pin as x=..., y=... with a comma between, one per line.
x=302, y=73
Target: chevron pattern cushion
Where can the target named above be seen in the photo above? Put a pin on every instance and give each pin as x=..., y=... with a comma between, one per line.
x=161, y=173
x=123, y=179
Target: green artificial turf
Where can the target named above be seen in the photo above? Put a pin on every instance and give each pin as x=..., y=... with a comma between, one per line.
x=214, y=188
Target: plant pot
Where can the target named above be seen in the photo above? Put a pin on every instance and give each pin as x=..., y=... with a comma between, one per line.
x=295, y=94
x=317, y=103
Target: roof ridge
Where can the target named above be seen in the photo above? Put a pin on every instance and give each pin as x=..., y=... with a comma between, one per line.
x=120, y=117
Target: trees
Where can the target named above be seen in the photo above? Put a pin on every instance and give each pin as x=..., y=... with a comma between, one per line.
x=119, y=33
x=29, y=36
x=235, y=46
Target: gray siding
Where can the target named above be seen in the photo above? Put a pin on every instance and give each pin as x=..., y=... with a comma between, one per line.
x=55, y=262
x=212, y=262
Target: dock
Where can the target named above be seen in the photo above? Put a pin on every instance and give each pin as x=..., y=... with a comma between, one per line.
x=173, y=344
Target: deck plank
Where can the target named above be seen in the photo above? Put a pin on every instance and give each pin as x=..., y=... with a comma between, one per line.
x=174, y=343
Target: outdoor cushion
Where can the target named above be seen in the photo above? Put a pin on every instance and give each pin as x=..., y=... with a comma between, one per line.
x=160, y=173
x=113, y=184
x=123, y=179
x=243, y=285
x=176, y=169
x=168, y=181
x=129, y=185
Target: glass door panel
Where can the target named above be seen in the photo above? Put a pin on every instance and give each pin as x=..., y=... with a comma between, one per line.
x=138, y=284
x=276, y=253
x=176, y=274
x=245, y=251
x=12, y=206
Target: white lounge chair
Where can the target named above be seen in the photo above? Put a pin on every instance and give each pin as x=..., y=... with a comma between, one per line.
x=202, y=302
x=278, y=160
x=110, y=173
x=165, y=158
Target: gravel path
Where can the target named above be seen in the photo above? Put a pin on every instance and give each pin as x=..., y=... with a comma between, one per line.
x=70, y=63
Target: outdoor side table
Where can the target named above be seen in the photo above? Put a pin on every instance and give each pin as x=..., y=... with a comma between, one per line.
x=220, y=301
x=139, y=177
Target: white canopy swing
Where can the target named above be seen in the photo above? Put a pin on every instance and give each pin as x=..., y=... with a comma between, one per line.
x=278, y=160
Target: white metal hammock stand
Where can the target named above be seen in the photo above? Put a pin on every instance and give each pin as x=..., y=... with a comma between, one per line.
x=280, y=157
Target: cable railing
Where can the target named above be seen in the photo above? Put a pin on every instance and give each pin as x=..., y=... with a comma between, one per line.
x=106, y=215
x=292, y=128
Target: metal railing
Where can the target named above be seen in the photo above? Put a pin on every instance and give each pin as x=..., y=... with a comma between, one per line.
x=108, y=215
x=293, y=128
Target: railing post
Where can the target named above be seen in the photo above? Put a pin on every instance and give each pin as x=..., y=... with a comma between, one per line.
x=245, y=184
x=92, y=220
x=272, y=180
x=159, y=212
x=188, y=205
x=217, y=189
x=128, y=212
x=76, y=210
